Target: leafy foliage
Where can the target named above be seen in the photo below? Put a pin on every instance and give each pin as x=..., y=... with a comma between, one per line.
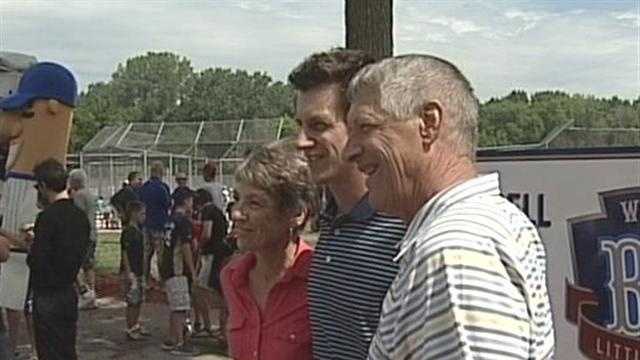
x=163, y=86
x=521, y=119
x=159, y=87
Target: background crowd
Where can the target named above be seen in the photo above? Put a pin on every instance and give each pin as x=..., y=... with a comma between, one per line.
x=418, y=255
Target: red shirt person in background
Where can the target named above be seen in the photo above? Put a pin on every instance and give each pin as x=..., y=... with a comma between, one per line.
x=266, y=288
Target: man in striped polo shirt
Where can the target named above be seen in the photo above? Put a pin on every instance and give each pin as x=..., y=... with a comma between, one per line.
x=472, y=281
x=353, y=265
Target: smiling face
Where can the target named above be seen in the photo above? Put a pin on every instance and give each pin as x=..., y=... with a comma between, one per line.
x=260, y=224
x=388, y=152
x=322, y=134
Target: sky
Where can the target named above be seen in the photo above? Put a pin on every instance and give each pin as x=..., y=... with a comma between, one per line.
x=588, y=46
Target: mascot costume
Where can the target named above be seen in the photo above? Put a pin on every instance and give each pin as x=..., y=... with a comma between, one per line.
x=36, y=121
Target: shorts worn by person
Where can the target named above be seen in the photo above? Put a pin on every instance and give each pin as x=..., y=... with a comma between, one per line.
x=472, y=277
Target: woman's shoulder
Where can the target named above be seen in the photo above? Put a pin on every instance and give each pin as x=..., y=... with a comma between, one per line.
x=303, y=259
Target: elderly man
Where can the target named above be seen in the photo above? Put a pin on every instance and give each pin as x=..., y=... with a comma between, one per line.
x=472, y=278
x=353, y=265
x=86, y=201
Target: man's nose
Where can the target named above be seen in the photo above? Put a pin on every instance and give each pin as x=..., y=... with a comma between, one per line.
x=236, y=213
x=303, y=141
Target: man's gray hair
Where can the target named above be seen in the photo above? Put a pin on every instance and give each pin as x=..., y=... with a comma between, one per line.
x=77, y=179
x=404, y=84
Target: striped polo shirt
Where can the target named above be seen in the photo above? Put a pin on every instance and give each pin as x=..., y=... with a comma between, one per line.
x=351, y=270
x=471, y=283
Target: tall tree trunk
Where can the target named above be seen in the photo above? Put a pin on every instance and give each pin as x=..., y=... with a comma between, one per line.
x=369, y=25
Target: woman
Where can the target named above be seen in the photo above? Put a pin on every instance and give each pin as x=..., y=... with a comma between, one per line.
x=265, y=288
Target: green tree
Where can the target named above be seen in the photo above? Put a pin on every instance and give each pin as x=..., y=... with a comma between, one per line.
x=219, y=94
x=152, y=84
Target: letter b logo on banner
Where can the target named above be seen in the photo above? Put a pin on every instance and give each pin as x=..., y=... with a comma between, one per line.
x=623, y=257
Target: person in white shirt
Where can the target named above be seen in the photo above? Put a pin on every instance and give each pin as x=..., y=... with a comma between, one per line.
x=472, y=278
x=209, y=172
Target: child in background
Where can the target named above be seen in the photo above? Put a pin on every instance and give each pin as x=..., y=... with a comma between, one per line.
x=132, y=259
x=177, y=270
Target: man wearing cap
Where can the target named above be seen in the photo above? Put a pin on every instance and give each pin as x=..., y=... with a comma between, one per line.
x=36, y=122
x=182, y=187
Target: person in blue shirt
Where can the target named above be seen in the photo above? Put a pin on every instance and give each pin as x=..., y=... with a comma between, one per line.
x=156, y=196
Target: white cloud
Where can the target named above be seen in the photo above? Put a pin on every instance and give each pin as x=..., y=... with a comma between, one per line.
x=458, y=26
x=533, y=47
x=629, y=18
x=529, y=19
x=248, y=5
x=584, y=47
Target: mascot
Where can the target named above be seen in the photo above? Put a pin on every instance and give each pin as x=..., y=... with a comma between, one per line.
x=36, y=123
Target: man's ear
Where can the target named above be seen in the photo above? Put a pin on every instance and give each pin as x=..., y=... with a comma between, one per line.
x=430, y=123
x=53, y=106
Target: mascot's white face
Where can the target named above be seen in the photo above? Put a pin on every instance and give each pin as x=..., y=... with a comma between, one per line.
x=20, y=126
x=11, y=126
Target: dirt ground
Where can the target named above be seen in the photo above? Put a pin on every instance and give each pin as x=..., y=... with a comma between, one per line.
x=101, y=331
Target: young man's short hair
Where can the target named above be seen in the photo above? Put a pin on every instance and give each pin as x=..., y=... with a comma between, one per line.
x=181, y=198
x=337, y=65
x=133, y=176
x=52, y=174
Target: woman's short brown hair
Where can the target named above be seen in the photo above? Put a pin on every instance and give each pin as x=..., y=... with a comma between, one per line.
x=282, y=171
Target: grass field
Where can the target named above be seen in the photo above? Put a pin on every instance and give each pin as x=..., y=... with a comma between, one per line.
x=108, y=252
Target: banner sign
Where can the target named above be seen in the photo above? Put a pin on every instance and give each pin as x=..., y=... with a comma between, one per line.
x=605, y=300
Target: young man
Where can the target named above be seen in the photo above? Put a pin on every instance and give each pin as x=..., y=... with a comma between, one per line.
x=60, y=246
x=357, y=244
x=177, y=269
x=129, y=192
